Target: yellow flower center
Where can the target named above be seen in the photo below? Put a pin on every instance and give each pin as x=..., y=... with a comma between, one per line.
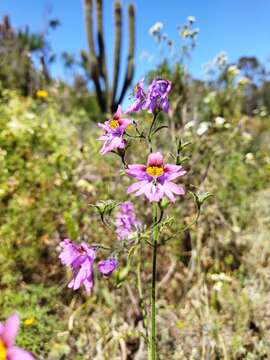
x=155, y=171
x=135, y=89
x=114, y=124
x=3, y=352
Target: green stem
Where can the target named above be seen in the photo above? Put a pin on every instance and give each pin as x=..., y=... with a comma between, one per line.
x=141, y=299
x=154, y=280
x=149, y=136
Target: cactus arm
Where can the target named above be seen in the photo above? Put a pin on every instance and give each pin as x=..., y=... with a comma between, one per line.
x=100, y=37
x=92, y=59
x=131, y=51
x=117, y=52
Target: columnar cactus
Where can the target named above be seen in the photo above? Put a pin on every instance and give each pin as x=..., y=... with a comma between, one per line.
x=95, y=60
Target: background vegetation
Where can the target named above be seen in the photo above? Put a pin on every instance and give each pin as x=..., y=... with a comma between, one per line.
x=214, y=278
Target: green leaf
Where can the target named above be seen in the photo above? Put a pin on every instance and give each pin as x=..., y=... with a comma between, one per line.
x=200, y=199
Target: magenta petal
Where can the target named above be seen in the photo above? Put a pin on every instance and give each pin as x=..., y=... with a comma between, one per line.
x=69, y=252
x=171, y=168
x=155, y=159
x=136, y=186
x=150, y=192
x=107, y=267
x=10, y=330
x=169, y=194
x=176, y=175
x=137, y=171
x=178, y=190
x=88, y=284
x=118, y=112
x=15, y=353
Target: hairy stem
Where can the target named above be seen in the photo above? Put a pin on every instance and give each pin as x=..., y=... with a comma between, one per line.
x=141, y=299
x=154, y=280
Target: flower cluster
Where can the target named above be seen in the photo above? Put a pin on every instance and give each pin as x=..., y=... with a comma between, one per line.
x=114, y=130
x=155, y=179
x=126, y=222
x=155, y=99
x=8, y=332
x=80, y=259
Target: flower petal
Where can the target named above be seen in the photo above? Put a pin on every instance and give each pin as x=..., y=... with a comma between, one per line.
x=176, y=189
x=169, y=194
x=155, y=159
x=11, y=327
x=136, y=186
x=118, y=112
x=16, y=353
x=137, y=171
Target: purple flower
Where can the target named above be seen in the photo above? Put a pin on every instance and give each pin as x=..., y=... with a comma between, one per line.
x=140, y=98
x=114, y=130
x=126, y=222
x=155, y=179
x=8, y=332
x=69, y=253
x=107, y=267
x=157, y=96
x=80, y=258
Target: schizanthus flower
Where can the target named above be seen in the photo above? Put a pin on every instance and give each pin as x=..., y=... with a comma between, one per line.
x=155, y=179
x=107, y=267
x=126, y=222
x=114, y=130
x=8, y=332
x=140, y=98
x=80, y=258
x=157, y=96
x=155, y=99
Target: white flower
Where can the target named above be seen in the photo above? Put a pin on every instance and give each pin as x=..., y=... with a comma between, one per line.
x=209, y=97
x=244, y=81
x=156, y=28
x=191, y=19
x=219, y=120
x=203, y=127
x=218, y=286
x=189, y=124
x=233, y=70
x=250, y=158
x=247, y=136
x=220, y=277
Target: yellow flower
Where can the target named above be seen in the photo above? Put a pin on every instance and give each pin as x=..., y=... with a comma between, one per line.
x=29, y=321
x=42, y=94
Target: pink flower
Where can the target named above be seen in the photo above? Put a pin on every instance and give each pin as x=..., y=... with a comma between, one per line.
x=126, y=222
x=107, y=267
x=140, y=98
x=155, y=179
x=157, y=96
x=8, y=332
x=80, y=258
x=114, y=130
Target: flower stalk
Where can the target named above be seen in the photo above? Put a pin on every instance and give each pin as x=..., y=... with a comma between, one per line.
x=154, y=281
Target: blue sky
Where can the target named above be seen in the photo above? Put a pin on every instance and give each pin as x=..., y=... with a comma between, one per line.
x=239, y=27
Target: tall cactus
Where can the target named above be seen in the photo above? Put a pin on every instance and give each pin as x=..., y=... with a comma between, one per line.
x=95, y=60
